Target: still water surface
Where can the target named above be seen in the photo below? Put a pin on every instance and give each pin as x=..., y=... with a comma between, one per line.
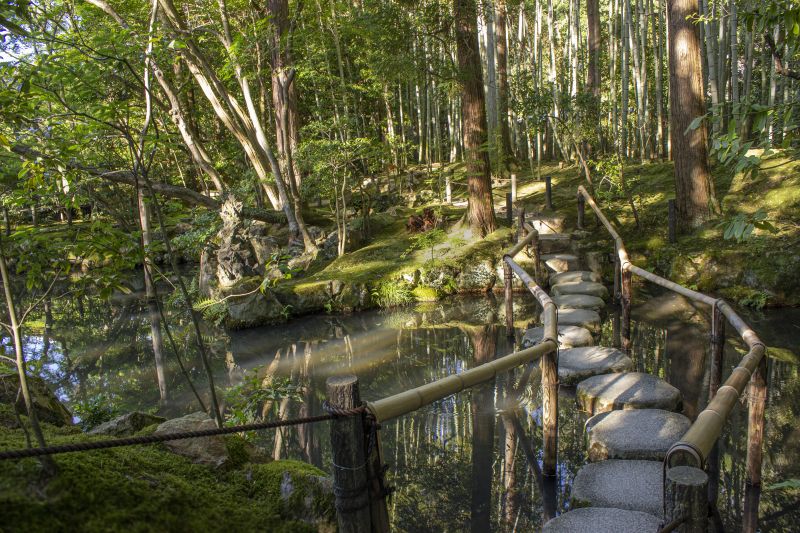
x=463, y=463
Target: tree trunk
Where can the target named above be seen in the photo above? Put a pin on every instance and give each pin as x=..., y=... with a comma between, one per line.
x=473, y=117
x=694, y=190
x=502, y=81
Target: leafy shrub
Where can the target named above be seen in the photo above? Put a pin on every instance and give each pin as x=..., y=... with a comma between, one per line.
x=392, y=293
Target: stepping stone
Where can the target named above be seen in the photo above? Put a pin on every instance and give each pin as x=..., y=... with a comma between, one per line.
x=577, y=364
x=632, y=434
x=630, y=390
x=573, y=276
x=547, y=224
x=568, y=337
x=579, y=287
x=602, y=520
x=585, y=318
x=555, y=243
x=560, y=262
x=578, y=301
x=631, y=485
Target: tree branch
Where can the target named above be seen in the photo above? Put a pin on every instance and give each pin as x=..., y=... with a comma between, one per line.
x=778, y=59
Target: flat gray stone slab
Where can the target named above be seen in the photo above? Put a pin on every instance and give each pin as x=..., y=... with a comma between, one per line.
x=633, y=433
x=568, y=337
x=629, y=390
x=603, y=520
x=579, y=287
x=631, y=485
x=560, y=262
x=579, y=301
x=585, y=318
x=547, y=224
x=575, y=275
x=577, y=364
x=555, y=243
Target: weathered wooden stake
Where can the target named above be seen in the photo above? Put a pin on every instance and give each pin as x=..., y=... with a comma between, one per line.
x=672, y=220
x=757, y=399
x=521, y=231
x=685, y=489
x=548, y=192
x=536, y=253
x=549, y=367
x=514, y=187
x=379, y=511
x=616, y=280
x=715, y=379
x=625, y=302
x=508, y=278
x=509, y=209
x=448, y=187
x=581, y=210
x=349, y=461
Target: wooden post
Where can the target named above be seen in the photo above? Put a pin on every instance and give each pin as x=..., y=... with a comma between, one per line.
x=349, y=462
x=448, y=188
x=625, y=301
x=509, y=209
x=549, y=367
x=379, y=512
x=521, y=231
x=548, y=192
x=757, y=396
x=536, y=253
x=514, y=187
x=672, y=220
x=508, y=277
x=685, y=489
x=616, y=280
x=581, y=210
x=715, y=379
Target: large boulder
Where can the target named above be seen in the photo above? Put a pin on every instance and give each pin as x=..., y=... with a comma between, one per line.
x=127, y=424
x=204, y=450
x=254, y=308
x=48, y=408
x=477, y=277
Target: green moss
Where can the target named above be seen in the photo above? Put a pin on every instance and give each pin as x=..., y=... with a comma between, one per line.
x=423, y=293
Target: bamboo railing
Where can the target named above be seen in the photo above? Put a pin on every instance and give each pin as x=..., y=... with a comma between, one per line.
x=698, y=446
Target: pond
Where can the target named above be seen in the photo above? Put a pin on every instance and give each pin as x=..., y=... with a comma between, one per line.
x=460, y=463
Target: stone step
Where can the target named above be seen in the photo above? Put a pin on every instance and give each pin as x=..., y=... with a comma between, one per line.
x=603, y=520
x=585, y=318
x=578, y=301
x=578, y=364
x=630, y=485
x=555, y=243
x=629, y=390
x=633, y=433
x=546, y=224
x=579, y=287
x=573, y=276
x=560, y=262
x=568, y=337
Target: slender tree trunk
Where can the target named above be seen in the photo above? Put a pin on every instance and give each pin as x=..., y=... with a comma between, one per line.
x=473, y=116
x=694, y=190
x=502, y=80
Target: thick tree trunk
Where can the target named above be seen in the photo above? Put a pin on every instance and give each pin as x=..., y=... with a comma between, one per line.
x=473, y=116
x=694, y=190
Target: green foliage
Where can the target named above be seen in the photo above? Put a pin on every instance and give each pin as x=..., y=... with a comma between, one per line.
x=740, y=226
x=95, y=410
x=426, y=240
x=789, y=484
x=392, y=293
x=246, y=400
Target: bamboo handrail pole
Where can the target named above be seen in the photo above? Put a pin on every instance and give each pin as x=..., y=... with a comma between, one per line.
x=524, y=242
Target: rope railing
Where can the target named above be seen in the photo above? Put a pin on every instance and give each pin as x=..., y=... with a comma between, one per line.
x=697, y=448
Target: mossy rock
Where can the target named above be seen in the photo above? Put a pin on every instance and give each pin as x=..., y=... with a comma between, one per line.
x=48, y=408
x=424, y=293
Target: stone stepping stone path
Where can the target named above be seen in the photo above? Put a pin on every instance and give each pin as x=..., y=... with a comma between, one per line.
x=633, y=434
x=634, y=421
x=577, y=364
x=629, y=390
x=631, y=485
x=602, y=520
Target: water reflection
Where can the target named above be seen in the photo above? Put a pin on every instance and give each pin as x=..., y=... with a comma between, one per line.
x=470, y=461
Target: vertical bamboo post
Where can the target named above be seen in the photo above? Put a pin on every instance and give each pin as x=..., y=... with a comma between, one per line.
x=448, y=187
x=672, y=220
x=349, y=462
x=685, y=489
x=536, y=252
x=548, y=192
x=714, y=381
x=509, y=209
x=508, y=277
x=625, y=301
x=581, y=210
x=521, y=231
x=757, y=396
x=514, y=187
x=549, y=367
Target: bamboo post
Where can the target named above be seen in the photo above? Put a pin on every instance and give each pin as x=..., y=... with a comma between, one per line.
x=581, y=210
x=508, y=277
x=672, y=220
x=521, y=231
x=536, y=253
x=685, y=489
x=715, y=379
x=448, y=187
x=349, y=462
x=514, y=187
x=548, y=192
x=757, y=396
x=509, y=209
x=625, y=301
x=549, y=367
